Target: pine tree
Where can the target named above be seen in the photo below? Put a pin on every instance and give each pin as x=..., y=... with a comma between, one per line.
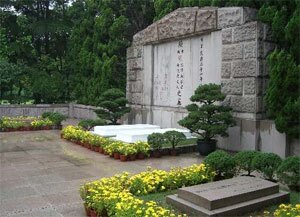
x=207, y=117
x=112, y=105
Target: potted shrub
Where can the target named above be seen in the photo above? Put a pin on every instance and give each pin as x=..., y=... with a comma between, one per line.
x=222, y=163
x=174, y=137
x=288, y=172
x=207, y=117
x=56, y=118
x=156, y=140
x=124, y=154
x=142, y=149
x=244, y=161
x=267, y=164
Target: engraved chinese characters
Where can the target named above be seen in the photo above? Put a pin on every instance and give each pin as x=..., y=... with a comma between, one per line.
x=201, y=60
x=179, y=70
x=180, y=66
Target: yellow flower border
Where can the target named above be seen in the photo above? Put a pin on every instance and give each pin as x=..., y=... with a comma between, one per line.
x=116, y=196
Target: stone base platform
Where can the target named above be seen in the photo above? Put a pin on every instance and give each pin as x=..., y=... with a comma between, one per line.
x=229, y=197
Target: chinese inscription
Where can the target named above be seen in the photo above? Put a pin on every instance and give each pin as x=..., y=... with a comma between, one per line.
x=201, y=60
x=179, y=72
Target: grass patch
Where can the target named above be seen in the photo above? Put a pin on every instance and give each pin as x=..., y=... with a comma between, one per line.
x=294, y=199
x=160, y=198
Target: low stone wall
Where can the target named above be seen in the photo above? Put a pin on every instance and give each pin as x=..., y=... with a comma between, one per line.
x=82, y=111
x=32, y=110
x=71, y=110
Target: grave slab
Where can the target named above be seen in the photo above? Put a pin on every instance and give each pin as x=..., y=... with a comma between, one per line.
x=142, y=135
x=227, y=192
x=113, y=130
x=229, y=197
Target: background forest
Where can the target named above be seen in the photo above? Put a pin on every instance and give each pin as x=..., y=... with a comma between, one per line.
x=56, y=51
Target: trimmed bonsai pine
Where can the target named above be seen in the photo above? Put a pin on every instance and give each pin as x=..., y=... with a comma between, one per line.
x=207, y=117
x=244, y=160
x=222, y=163
x=174, y=137
x=112, y=105
x=288, y=172
x=267, y=164
x=156, y=141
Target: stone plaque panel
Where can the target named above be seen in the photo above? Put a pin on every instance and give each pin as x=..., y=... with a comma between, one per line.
x=181, y=65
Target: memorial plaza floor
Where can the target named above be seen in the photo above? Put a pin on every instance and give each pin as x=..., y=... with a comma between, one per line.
x=40, y=174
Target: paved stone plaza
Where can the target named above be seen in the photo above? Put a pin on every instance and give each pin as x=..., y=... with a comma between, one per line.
x=41, y=174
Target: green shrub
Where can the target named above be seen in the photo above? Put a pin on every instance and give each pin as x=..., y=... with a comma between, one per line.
x=88, y=124
x=174, y=137
x=207, y=116
x=289, y=172
x=222, y=163
x=267, y=164
x=55, y=117
x=156, y=140
x=244, y=160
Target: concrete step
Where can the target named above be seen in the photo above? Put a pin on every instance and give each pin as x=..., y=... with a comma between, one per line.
x=232, y=210
x=223, y=193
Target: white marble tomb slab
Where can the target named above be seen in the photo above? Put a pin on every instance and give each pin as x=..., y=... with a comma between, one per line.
x=113, y=130
x=142, y=135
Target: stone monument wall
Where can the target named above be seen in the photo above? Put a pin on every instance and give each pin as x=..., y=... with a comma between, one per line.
x=193, y=46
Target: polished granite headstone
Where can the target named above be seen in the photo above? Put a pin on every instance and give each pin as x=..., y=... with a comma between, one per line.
x=228, y=197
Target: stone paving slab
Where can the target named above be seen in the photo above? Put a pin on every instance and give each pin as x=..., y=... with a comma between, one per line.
x=19, y=205
x=40, y=174
x=14, y=183
x=65, y=198
x=20, y=192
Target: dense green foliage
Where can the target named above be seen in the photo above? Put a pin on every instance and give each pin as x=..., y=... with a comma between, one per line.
x=112, y=105
x=244, y=160
x=222, y=163
x=267, y=164
x=33, y=37
x=100, y=39
x=88, y=124
x=208, y=119
x=174, y=137
x=55, y=117
x=61, y=50
x=289, y=172
x=156, y=141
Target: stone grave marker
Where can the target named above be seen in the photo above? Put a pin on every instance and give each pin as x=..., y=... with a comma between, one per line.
x=229, y=197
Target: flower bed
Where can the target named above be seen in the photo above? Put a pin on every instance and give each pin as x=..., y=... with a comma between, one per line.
x=116, y=149
x=285, y=210
x=116, y=196
x=25, y=123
